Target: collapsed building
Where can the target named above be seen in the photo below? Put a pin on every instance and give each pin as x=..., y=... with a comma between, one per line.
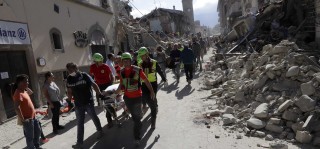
x=265, y=80
x=266, y=23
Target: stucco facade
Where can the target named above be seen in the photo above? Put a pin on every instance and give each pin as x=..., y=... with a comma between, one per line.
x=65, y=17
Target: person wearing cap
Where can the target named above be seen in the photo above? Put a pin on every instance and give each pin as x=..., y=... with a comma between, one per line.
x=101, y=72
x=130, y=82
x=150, y=67
x=187, y=58
x=104, y=78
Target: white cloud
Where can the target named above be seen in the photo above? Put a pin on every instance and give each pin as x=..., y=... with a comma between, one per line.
x=201, y=8
x=136, y=13
x=198, y=4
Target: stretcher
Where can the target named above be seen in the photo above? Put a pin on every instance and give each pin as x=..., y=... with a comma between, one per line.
x=110, y=100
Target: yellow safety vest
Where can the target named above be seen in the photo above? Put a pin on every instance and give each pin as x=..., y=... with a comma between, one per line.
x=152, y=75
x=131, y=83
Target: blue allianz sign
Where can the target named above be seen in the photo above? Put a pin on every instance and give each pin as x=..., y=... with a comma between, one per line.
x=14, y=33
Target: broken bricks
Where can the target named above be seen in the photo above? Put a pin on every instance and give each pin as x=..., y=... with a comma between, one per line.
x=274, y=90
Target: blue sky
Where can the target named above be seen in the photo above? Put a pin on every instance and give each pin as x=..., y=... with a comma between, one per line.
x=204, y=10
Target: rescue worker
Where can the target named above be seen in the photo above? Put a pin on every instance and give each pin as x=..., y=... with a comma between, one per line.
x=104, y=78
x=150, y=67
x=130, y=83
x=101, y=73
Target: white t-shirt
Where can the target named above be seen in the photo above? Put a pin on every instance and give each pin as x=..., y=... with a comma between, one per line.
x=111, y=65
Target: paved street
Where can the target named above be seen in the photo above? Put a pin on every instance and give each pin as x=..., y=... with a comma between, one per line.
x=179, y=125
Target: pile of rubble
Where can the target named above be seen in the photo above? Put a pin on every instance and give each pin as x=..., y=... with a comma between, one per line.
x=272, y=94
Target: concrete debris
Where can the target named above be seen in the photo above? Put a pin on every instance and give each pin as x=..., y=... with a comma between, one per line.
x=274, y=128
x=269, y=138
x=303, y=137
x=274, y=90
x=297, y=126
x=256, y=123
x=261, y=111
x=278, y=145
x=228, y=110
x=293, y=71
x=305, y=103
x=228, y=119
x=285, y=105
x=260, y=134
x=289, y=115
x=308, y=88
x=275, y=121
x=239, y=136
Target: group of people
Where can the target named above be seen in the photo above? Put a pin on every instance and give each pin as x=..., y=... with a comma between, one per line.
x=190, y=54
x=136, y=73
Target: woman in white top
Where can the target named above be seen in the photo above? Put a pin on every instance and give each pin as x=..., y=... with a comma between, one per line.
x=52, y=94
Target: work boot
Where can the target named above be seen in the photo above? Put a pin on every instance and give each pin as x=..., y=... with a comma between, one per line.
x=153, y=123
x=77, y=146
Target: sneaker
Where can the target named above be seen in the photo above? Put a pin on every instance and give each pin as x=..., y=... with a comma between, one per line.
x=77, y=146
x=189, y=82
x=100, y=134
x=45, y=140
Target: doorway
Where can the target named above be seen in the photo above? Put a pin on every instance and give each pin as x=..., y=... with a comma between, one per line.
x=12, y=64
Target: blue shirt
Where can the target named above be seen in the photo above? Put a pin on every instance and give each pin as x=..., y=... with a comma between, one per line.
x=81, y=88
x=187, y=56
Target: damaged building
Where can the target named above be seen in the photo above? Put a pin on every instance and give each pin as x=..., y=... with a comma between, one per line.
x=248, y=25
x=166, y=21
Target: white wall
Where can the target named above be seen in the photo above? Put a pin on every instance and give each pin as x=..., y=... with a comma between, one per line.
x=72, y=17
x=155, y=24
x=41, y=18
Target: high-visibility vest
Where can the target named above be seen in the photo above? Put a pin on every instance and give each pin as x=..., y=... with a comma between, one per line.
x=131, y=83
x=151, y=74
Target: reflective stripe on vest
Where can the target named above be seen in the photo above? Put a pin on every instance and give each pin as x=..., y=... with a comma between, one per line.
x=131, y=83
x=152, y=77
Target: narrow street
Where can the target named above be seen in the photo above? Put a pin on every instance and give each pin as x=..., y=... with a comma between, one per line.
x=180, y=124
